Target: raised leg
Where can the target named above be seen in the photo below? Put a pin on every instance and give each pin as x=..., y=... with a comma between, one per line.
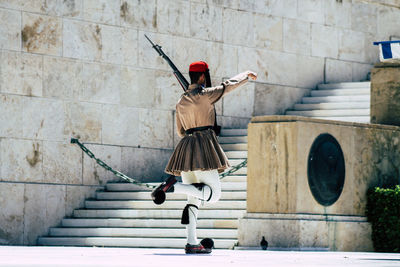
x=211, y=179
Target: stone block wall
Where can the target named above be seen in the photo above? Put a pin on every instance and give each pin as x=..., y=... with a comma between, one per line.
x=82, y=68
x=282, y=203
x=279, y=155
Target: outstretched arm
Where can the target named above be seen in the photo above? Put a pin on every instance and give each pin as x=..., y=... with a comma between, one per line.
x=238, y=80
x=215, y=93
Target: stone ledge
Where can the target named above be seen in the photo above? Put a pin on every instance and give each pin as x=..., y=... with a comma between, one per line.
x=387, y=65
x=305, y=216
x=284, y=118
x=98, y=187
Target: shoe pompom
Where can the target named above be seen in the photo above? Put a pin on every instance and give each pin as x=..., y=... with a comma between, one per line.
x=207, y=243
x=158, y=197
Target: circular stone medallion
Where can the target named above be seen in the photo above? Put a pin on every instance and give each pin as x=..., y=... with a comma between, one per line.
x=326, y=169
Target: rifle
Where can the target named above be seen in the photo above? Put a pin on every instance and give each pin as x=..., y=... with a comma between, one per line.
x=181, y=79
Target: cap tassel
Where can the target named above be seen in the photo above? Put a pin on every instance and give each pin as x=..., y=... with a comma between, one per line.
x=185, y=213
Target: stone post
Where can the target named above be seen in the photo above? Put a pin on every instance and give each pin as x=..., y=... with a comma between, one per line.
x=385, y=94
x=284, y=201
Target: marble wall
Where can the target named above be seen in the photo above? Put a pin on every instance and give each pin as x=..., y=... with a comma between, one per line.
x=82, y=68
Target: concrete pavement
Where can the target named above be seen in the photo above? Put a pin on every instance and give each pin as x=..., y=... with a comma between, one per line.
x=116, y=257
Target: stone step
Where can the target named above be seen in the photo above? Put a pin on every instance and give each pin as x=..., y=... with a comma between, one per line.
x=171, y=204
x=232, y=139
x=225, y=195
x=349, y=85
x=235, y=178
x=330, y=113
x=127, y=187
x=125, y=216
x=148, y=222
x=359, y=119
x=338, y=105
x=155, y=213
x=334, y=99
x=340, y=92
x=236, y=147
x=241, y=171
x=236, y=154
x=234, y=162
x=128, y=242
x=141, y=232
x=233, y=132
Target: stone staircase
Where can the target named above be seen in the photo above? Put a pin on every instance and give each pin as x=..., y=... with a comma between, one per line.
x=123, y=215
x=337, y=101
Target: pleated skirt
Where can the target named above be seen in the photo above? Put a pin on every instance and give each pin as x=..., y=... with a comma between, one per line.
x=198, y=151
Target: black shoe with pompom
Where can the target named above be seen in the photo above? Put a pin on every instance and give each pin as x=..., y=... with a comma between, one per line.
x=158, y=194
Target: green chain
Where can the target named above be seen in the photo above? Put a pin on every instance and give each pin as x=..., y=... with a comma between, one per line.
x=233, y=169
x=133, y=181
x=108, y=168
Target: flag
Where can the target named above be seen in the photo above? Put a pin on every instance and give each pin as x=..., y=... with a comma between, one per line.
x=388, y=50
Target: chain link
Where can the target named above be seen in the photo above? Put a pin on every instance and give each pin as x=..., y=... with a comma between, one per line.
x=133, y=181
x=108, y=168
x=233, y=169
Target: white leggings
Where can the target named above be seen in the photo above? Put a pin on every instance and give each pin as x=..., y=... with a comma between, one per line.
x=209, y=178
x=211, y=191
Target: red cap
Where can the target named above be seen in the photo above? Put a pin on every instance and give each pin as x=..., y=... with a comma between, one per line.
x=198, y=66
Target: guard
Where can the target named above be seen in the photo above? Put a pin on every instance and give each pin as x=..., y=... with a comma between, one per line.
x=198, y=157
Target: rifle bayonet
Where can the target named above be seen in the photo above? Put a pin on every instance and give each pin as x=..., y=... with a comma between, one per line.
x=156, y=47
x=181, y=79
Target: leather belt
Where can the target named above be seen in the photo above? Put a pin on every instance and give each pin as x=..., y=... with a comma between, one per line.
x=197, y=129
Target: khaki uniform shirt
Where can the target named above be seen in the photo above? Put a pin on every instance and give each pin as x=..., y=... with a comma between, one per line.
x=195, y=108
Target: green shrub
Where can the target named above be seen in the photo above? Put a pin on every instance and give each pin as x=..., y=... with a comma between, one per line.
x=383, y=211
